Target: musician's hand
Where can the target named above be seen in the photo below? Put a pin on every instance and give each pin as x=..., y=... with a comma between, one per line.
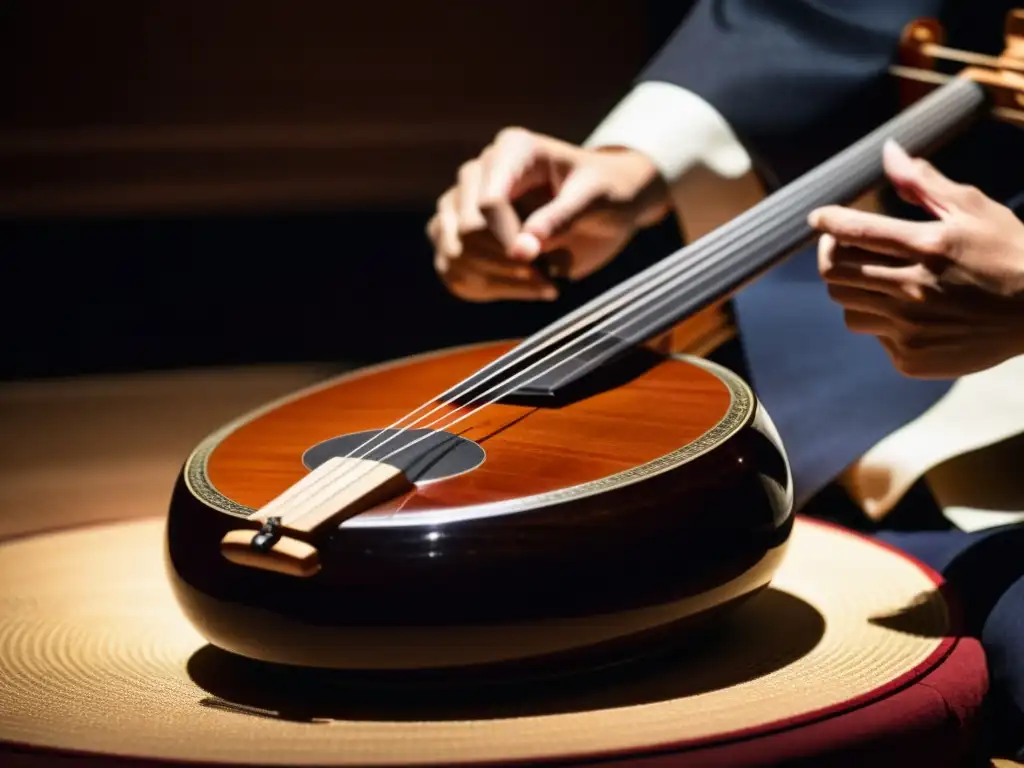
x=945, y=297
x=591, y=204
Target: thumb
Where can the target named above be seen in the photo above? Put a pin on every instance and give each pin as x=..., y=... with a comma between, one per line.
x=575, y=196
x=919, y=182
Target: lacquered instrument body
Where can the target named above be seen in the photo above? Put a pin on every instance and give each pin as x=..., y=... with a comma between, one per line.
x=588, y=528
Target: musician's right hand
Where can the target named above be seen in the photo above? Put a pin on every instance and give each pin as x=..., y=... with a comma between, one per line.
x=591, y=204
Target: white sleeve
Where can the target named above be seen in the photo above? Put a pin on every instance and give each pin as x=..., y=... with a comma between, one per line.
x=676, y=129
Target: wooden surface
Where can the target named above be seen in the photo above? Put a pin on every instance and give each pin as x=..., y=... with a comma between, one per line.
x=109, y=448
x=660, y=475
x=116, y=106
x=529, y=450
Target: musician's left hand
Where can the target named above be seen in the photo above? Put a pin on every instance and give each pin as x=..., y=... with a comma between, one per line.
x=944, y=297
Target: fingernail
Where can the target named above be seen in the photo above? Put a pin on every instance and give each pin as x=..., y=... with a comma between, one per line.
x=525, y=247
x=814, y=217
x=892, y=145
x=549, y=293
x=894, y=153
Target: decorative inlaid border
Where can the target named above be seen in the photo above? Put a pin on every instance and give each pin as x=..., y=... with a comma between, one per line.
x=740, y=411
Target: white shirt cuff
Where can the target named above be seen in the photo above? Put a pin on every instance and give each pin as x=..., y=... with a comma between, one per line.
x=676, y=129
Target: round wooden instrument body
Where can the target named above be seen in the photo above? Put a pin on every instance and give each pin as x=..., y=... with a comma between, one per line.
x=587, y=532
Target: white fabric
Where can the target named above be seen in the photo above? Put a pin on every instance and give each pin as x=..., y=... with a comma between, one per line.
x=700, y=157
x=980, y=411
x=676, y=129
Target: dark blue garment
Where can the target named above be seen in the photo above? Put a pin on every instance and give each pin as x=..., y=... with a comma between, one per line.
x=985, y=574
x=798, y=81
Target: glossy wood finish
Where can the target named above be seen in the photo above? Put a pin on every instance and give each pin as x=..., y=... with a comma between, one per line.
x=529, y=450
x=564, y=553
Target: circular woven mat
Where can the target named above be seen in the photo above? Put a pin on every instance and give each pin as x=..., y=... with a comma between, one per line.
x=95, y=657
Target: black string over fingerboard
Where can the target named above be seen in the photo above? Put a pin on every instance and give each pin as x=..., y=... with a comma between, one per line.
x=714, y=266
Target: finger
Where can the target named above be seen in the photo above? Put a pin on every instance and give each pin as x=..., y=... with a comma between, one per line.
x=517, y=162
x=496, y=266
x=448, y=241
x=545, y=227
x=919, y=181
x=832, y=254
x=578, y=193
x=512, y=166
x=857, y=268
x=433, y=228
x=441, y=264
x=907, y=320
x=486, y=285
x=897, y=335
x=470, y=177
x=881, y=234
x=486, y=265
x=928, y=363
x=503, y=222
x=908, y=195
x=943, y=361
x=861, y=301
x=889, y=344
x=868, y=323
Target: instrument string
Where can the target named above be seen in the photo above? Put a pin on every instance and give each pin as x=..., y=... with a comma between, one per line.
x=677, y=268
x=323, y=492
x=681, y=266
x=570, y=323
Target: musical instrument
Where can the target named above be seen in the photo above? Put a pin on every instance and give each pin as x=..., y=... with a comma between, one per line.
x=97, y=660
x=568, y=499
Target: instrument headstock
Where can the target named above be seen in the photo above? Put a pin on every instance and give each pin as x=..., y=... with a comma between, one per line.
x=922, y=46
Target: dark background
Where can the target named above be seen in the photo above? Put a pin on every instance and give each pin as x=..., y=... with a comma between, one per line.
x=201, y=183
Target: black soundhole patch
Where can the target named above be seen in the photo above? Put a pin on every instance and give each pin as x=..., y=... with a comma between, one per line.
x=422, y=454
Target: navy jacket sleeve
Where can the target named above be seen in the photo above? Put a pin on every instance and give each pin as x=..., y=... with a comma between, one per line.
x=798, y=80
